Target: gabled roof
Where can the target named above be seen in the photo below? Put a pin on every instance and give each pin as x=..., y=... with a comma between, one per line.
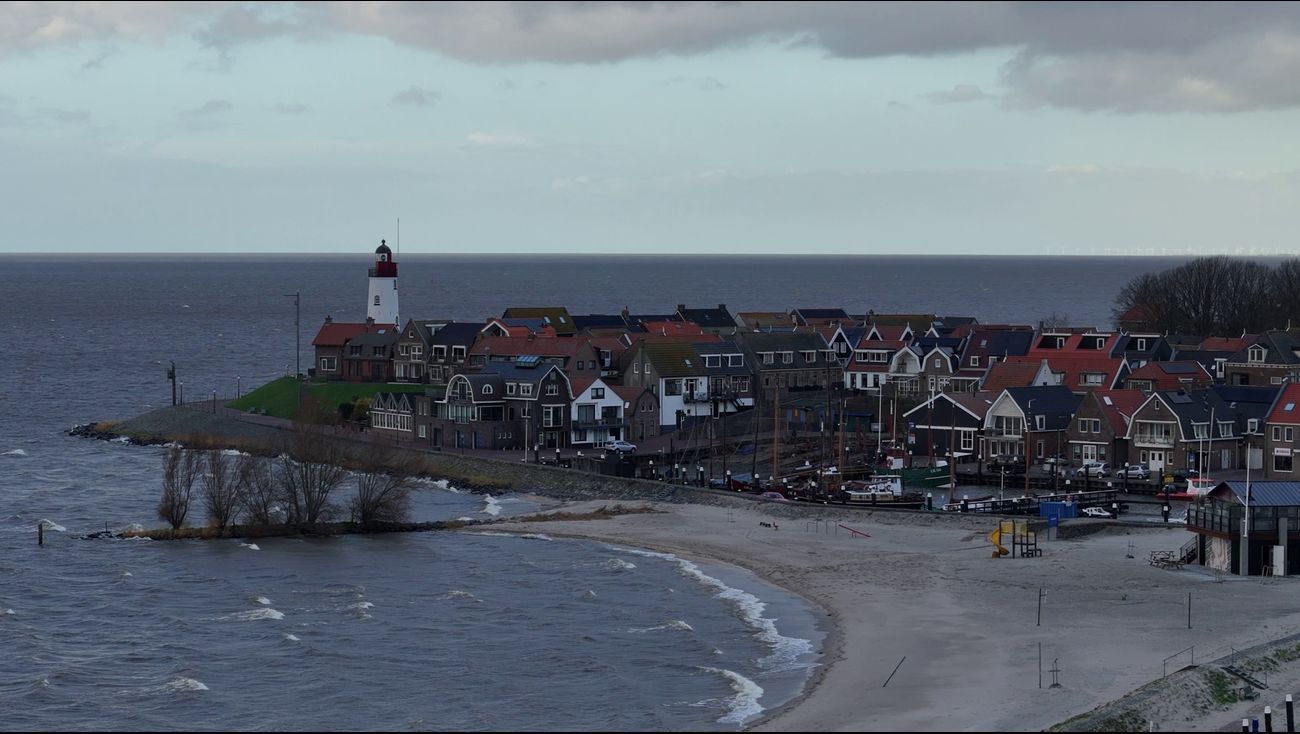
x=672, y=328
x=1001, y=343
x=1222, y=403
x=1225, y=343
x=1286, y=409
x=809, y=316
x=796, y=342
x=457, y=334
x=918, y=322
x=542, y=346
x=598, y=321
x=556, y=317
x=975, y=405
x=1003, y=375
x=1281, y=347
x=631, y=393
x=1119, y=406
x=676, y=358
x=764, y=319
x=336, y=334
x=1055, y=402
x=708, y=318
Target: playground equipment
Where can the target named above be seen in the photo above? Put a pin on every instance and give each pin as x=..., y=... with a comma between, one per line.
x=1024, y=542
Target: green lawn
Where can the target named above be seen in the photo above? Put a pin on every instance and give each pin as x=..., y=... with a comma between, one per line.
x=280, y=397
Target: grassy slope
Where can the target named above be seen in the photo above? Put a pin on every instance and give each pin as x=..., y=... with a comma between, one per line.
x=279, y=397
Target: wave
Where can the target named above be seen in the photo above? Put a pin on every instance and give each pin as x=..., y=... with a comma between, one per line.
x=786, y=651
x=126, y=575
x=743, y=704
x=263, y=601
x=121, y=439
x=618, y=564
x=253, y=615
x=458, y=594
x=676, y=624
x=465, y=519
x=491, y=506
x=7, y=613
x=185, y=684
x=537, y=536
x=359, y=609
x=290, y=637
x=16, y=453
x=51, y=525
x=250, y=546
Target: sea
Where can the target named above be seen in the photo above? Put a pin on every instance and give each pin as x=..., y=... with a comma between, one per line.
x=465, y=631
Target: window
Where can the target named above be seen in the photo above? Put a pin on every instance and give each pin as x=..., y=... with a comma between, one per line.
x=424, y=431
x=1142, y=345
x=735, y=360
x=526, y=410
x=1040, y=421
x=597, y=393
x=974, y=361
x=525, y=390
x=636, y=368
x=329, y=364
x=767, y=357
x=581, y=365
x=1282, y=463
x=1256, y=353
x=487, y=389
x=713, y=360
x=1092, y=378
x=1289, y=435
x=376, y=300
x=938, y=363
x=404, y=349
x=591, y=364
x=1275, y=380
x=417, y=351
x=510, y=388
x=740, y=384
x=1252, y=425
x=1201, y=430
x=787, y=357
x=967, y=440
x=1277, y=433
x=552, y=389
x=439, y=352
x=1225, y=429
x=458, y=353
x=809, y=356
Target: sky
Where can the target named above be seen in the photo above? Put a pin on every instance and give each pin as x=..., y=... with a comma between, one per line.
x=644, y=128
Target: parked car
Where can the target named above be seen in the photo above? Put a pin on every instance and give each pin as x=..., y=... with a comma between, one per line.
x=1093, y=469
x=621, y=447
x=1097, y=512
x=1136, y=471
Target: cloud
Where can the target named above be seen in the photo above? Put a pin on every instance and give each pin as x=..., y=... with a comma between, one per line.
x=958, y=94
x=211, y=107
x=294, y=108
x=704, y=83
x=416, y=97
x=499, y=139
x=64, y=117
x=1218, y=57
x=97, y=62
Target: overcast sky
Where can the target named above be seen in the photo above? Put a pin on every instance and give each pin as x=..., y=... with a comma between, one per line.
x=910, y=128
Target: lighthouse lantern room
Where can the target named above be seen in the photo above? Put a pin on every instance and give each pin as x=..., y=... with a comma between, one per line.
x=382, y=302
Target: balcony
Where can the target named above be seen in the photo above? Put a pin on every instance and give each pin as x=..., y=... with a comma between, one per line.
x=698, y=396
x=588, y=425
x=1154, y=440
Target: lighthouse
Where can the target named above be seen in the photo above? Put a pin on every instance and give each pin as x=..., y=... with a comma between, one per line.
x=382, y=302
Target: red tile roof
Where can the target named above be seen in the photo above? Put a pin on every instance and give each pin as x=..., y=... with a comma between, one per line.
x=1290, y=396
x=1227, y=343
x=336, y=334
x=672, y=328
x=1170, y=375
x=1011, y=374
x=579, y=385
x=1072, y=367
x=1119, y=406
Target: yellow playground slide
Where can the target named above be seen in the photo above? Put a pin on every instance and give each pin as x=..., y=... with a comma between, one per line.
x=995, y=538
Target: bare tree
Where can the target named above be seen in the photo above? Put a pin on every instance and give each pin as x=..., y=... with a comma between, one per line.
x=181, y=469
x=1054, y=321
x=1286, y=292
x=385, y=480
x=221, y=488
x=310, y=468
x=259, y=493
x=1206, y=296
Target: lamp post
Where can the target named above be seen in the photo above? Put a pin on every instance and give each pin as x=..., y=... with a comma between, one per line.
x=297, y=329
x=182, y=389
x=171, y=375
x=652, y=469
x=239, y=390
x=1029, y=414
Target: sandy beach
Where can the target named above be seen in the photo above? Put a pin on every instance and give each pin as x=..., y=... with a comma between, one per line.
x=925, y=591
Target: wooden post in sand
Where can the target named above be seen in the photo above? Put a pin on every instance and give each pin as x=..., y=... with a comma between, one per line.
x=1290, y=713
x=1268, y=718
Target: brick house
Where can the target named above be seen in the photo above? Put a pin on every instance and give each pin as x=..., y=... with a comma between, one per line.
x=504, y=405
x=1282, y=435
x=1271, y=359
x=1099, y=428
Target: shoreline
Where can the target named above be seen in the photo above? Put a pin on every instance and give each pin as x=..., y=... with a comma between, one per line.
x=832, y=648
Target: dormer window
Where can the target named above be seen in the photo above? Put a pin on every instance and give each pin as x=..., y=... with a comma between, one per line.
x=735, y=360
x=713, y=360
x=809, y=356
x=974, y=361
x=1256, y=353
x=487, y=389
x=1142, y=345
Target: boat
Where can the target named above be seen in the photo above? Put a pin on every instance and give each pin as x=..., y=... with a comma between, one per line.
x=1197, y=487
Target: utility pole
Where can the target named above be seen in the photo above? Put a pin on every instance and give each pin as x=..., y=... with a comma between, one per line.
x=171, y=375
x=297, y=330
x=776, y=431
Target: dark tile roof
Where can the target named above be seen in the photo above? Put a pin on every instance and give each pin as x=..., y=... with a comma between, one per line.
x=599, y=321
x=709, y=318
x=1266, y=494
x=460, y=334
x=1056, y=402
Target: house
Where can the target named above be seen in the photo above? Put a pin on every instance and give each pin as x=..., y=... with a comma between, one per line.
x=504, y=405
x=556, y=317
x=764, y=321
x=641, y=411
x=985, y=347
x=497, y=326
x=673, y=328
x=1002, y=375
x=600, y=324
x=1081, y=373
x=868, y=368
x=575, y=355
x=1073, y=342
x=449, y=350
x=368, y=356
x=712, y=320
x=820, y=317
x=1165, y=376
x=1099, y=429
x=1138, y=349
x=947, y=425
x=939, y=369
x=953, y=326
x=790, y=362
x=891, y=332
x=1269, y=547
x=1272, y=358
x=393, y=413
x=916, y=323
x=1282, y=432
x=690, y=380
x=597, y=414
x=1038, y=416
x=1207, y=429
x=330, y=344
x=410, y=363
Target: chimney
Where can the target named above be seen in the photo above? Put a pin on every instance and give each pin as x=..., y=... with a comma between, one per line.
x=681, y=307
x=722, y=307
x=329, y=319
x=370, y=321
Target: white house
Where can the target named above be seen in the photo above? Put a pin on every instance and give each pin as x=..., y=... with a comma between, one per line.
x=599, y=413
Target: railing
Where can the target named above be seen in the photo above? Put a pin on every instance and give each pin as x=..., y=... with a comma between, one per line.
x=1189, y=551
x=695, y=397
x=583, y=425
x=1160, y=440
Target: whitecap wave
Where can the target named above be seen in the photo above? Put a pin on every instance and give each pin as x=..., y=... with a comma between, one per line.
x=618, y=564
x=250, y=546
x=458, y=594
x=465, y=519
x=290, y=637
x=51, y=525
x=233, y=452
x=126, y=574
x=743, y=704
x=134, y=527
x=121, y=439
x=786, y=651
x=7, y=613
x=537, y=536
x=186, y=684
x=359, y=609
x=263, y=601
x=491, y=506
x=16, y=453
x=675, y=624
x=252, y=615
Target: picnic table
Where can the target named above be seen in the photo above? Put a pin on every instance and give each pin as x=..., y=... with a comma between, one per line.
x=1166, y=559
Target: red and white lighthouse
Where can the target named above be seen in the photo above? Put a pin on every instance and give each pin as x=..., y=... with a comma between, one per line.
x=382, y=302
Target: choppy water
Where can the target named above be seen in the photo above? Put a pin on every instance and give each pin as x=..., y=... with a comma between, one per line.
x=418, y=631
